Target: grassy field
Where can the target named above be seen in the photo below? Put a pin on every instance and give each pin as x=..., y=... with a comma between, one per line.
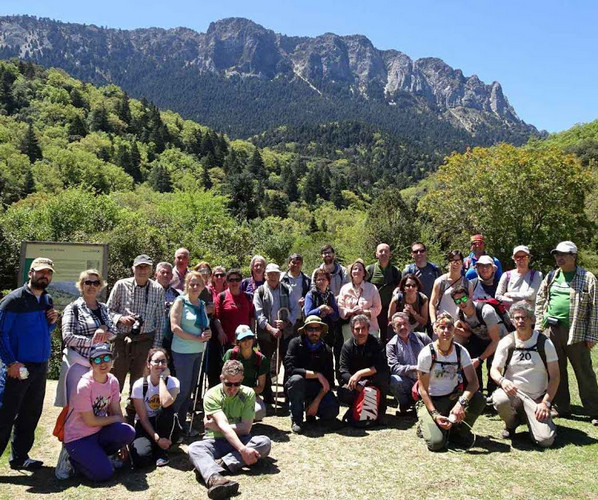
x=384, y=463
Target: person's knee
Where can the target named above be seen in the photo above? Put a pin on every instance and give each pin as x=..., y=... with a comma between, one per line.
x=436, y=443
x=198, y=449
x=546, y=442
x=262, y=444
x=295, y=383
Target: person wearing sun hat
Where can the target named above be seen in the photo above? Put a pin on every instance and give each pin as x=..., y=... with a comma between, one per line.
x=255, y=366
x=567, y=312
x=27, y=319
x=309, y=375
x=521, y=283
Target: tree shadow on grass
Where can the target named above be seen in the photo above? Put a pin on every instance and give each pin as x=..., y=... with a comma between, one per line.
x=43, y=481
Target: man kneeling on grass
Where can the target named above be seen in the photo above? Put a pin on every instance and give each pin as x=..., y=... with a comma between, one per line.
x=229, y=409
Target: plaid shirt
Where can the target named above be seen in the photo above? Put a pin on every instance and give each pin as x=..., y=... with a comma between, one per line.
x=147, y=301
x=78, y=328
x=583, y=306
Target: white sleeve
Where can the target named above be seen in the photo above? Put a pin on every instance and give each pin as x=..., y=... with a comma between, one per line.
x=465, y=357
x=550, y=351
x=137, y=391
x=500, y=356
x=173, y=383
x=424, y=360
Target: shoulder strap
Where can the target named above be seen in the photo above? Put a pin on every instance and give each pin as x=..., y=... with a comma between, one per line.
x=508, y=275
x=510, y=350
x=458, y=348
x=479, y=306
x=411, y=268
x=222, y=296
x=541, y=344
x=437, y=270
x=370, y=271
x=145, y=387
x=434, y=355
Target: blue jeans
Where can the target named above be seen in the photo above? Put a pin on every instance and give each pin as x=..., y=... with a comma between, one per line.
x=187, y=370
x=400, y=387
x=302, y=392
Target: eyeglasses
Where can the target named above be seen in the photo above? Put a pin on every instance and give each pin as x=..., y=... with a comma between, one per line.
x=234, y=280
x=232, y=384
x=101, y=359
x=410, y=285
x=455, y=260
x=418, y=251
x=205, y=271
x=327, y=253
x=462, y=300
x=219, y=275
x=92, y=282
x=158, y=362
x=521, y=257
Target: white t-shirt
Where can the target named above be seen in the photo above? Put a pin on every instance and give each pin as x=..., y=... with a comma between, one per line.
x=526, y=369
x=152, y=397
x=443, y=377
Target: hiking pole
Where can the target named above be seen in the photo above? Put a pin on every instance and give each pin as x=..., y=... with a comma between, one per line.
x=279, y=317
x=199, y=384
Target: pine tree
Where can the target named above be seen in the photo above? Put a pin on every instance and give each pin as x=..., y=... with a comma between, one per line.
x=98, y=120
x=290, y=184
x=256, y=166
x=29, y=185
x=159, y=179
x=313, y=225
x=311, y=186
x=123, y=109
x=135, y=157
x=77, y=99
x=30, y=145
x=77, y=127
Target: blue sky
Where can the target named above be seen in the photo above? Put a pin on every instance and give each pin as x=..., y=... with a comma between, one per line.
x=542, y=52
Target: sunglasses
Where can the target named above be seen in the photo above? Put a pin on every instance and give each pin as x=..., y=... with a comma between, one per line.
x=219, y=275
x=158, y=362
x=92, y=282
x=312, y=328
x=101, y=359
x=410, y=285
x=462, y=300
x=418, y=251
x=234, y=280
x=232, y=384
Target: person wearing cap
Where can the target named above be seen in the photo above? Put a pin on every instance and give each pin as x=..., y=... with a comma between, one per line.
x=485, y=283
x=309, y=375
x=521, y=283
x=95, y=427
x=478, y=248
x=27, y=318
x=136, y=307
x=180, y=269
x=567, y=311
x=276, y=314
x=255, y=366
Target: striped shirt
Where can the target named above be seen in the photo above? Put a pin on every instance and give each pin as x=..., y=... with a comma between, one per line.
x=583, y=306
x=147, y=301
x=79, y=325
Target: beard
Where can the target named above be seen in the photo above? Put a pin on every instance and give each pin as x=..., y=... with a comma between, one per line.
x=40, y=283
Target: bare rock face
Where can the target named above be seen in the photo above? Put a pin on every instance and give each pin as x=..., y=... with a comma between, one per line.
x=347, y=67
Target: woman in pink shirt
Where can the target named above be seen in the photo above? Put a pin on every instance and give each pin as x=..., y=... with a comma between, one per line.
x=359, y=297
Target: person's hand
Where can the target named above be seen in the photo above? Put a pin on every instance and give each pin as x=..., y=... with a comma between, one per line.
x=476, y=362
x=100, y=336
x=210, y=423
x=249, y=455
x=357, y=310
x=164, y=443
x=275, y=332
x=590, y=344
x=301, y=302
x=508, y=387
x=52, y=316
x=542, y=412
x=443, y=422
x=14, y=370
x=279, y=323
x=458, y=411
x=165, y=373
x=324, y=381
x=126, y=320
x=205, y=335
x=408, y=309
x=312, y=409
x=353, y=380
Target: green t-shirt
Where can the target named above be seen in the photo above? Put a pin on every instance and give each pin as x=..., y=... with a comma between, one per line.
x=237, y=408
x=385, y=280
x=251, y=372
x=560, y=298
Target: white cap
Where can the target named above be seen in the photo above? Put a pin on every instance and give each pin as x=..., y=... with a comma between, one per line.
x=521, y=248
x=485, y=260
x=565, y=247
x=272, y=268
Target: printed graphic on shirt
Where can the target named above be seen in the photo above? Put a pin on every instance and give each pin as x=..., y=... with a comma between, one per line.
x=100, y=406
x=154, y=402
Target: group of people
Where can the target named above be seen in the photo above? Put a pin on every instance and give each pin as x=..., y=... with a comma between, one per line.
x=343, y=335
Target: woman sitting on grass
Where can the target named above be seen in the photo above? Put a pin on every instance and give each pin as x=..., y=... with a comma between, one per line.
x=95, y=428
x=153, y=397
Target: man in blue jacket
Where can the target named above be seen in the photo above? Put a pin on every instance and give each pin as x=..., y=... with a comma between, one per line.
x=27, y=318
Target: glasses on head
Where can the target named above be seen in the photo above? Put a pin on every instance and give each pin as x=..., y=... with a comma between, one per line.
x=158, y=362
x=92, y=282
x=461, y=300
x=101, y=359
x=421, y=250
x=234, y=280
x=232, y=384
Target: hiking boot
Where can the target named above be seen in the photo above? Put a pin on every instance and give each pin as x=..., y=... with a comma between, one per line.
x=64, y=468
x=296, y=428
x=220, y=488
x=26, y=464
x=162, y=461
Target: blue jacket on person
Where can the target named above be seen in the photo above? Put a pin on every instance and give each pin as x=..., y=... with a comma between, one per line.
x=24, y=328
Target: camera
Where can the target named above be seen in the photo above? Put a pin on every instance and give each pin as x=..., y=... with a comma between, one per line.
x=136, y=328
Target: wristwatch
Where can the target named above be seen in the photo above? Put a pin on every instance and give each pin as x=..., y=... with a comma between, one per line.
x=548, y=404
x=463, y=401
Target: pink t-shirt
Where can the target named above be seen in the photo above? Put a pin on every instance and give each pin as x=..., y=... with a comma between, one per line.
x=90, y=396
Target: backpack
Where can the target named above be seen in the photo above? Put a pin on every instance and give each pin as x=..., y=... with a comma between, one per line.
x=539, y=347
x=460, y=376
x=412, y=269
x=364, y=411
x=235, y=354
x=498, y=307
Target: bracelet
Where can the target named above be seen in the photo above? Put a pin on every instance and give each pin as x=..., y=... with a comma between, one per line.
x=501, y=380
x=434, y=414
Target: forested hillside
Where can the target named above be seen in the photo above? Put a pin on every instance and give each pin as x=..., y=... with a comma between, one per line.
x=80, y=163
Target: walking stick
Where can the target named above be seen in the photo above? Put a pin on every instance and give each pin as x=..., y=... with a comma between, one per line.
x=199, y=384
x=279, y=317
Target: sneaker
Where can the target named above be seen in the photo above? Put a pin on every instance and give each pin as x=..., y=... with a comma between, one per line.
x=296, y=428
x=27, y=464
x=64, y=468
x=594, y=421
x=162, y=461
x=508, y=433
x=220, y=488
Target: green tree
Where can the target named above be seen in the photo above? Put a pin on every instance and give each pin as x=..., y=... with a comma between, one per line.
x=159, y=179
x=256, y=166
x=30, y=145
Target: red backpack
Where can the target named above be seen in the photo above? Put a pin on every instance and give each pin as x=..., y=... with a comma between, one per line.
x=364, y=411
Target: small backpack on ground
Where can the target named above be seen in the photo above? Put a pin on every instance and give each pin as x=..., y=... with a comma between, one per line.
x=365, y=410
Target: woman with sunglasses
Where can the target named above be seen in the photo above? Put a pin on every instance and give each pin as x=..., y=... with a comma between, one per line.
x=441, y=300
x=95, y=428
x=409, y=298
x=153, y=397
x=190, y=327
